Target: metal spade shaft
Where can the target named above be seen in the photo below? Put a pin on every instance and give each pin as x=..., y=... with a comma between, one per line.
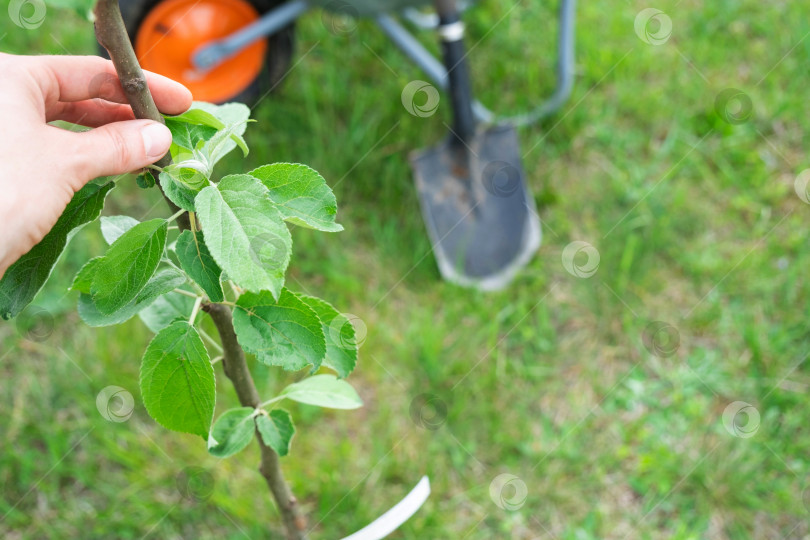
x=451, y=32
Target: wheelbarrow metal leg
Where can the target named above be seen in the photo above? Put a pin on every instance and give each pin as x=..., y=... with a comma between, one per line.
x=436, y=71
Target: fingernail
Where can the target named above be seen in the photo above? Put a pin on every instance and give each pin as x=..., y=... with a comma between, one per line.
x=156, y=140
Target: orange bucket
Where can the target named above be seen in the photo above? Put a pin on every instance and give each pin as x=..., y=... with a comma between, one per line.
x=174, y=29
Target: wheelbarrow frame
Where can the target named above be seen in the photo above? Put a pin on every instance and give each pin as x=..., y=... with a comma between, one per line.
x=212, y=54
x=482, y=235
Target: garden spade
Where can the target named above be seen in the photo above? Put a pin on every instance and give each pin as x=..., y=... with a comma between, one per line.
x=480, y=216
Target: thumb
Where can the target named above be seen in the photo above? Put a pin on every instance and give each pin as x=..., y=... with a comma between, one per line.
x=121, y=147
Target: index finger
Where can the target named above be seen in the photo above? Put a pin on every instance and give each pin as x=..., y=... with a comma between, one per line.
x=77, y=78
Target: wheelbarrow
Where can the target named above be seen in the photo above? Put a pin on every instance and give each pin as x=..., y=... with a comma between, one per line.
x=478, y=211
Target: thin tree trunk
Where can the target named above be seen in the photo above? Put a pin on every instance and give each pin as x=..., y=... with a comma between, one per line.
x=237, y=371
x=112, y=35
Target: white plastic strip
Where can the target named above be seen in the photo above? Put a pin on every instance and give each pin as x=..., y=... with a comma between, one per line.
x=452, y=32
x=399, y=514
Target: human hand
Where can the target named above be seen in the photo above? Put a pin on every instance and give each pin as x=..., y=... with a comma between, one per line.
x=42, y=166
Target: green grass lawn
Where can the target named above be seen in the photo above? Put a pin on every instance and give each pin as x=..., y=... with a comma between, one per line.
x=696, y=223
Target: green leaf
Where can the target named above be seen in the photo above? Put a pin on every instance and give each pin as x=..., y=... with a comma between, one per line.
x=201, y=137
x=276, y=430
x=245, y=233
x=84, y=277
x=23, y=279
x=240, y=142
x=324, y=391
x=177, y=380
x=235, y=117
x=128, y=265
x=232, y=432
x=197, y=262
x=177, y=192
x=165, y=310
x=341, y=343
x=161, y=283
x=184, y=179
x=196, y=115
x=112, y=227
x=192, y=129
x=220, y=144
x=230, y=114
x=286, y=333
x=145, y=180
x=187, y=135
x=302, y=196
x=189, y=172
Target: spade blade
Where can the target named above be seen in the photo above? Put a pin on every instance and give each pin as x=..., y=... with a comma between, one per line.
x=479, y=214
